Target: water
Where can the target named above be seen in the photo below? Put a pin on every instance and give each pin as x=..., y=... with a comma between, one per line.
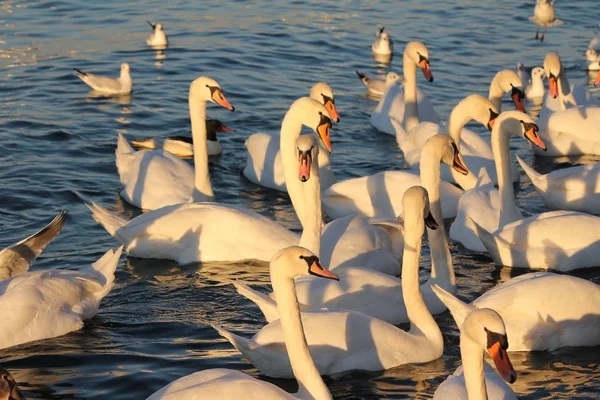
x=58, y=148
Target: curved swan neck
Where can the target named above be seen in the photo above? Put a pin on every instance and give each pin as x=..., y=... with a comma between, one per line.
x=313, y=223
x=459, y=117
x=202, y=186
x=442, y=269
x=495, y=94
x=411, y=108
x=472, y=359
x=310, y=383
x=290, y=131
x=500, y=147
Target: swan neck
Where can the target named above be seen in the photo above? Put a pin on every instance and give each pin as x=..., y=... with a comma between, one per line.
x=411, y=108
x=495, y=94
x=202, y=187
x=310, y=383
x=501, y=150
x=290, y=131
x=473, y=368
x=459, y=117
x=313, y=223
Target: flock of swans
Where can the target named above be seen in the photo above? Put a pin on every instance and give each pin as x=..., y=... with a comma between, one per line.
x=336, y=296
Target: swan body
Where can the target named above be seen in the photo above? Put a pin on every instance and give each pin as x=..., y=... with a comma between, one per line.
x=544, y=16
x=264, y=165
x=483, y=330
x=156, y=178
x=377, y=87
x=121, y=85
x=483, y=204
x=542, y=311
x=593, y=60
x=342, y=341
x=227, y=384
x=17, y=258
x=383, y=44
x=182, y=146
x=574, y=189
x=49, y=303
x=158, y=37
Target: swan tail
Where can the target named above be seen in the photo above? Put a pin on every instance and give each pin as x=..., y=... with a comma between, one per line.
x=491, y=242
x=458, y=308
x=483, y=178
x=123, y=146
x=109, y=221
x=533, y=175
x=243, y=345
x=267, y=305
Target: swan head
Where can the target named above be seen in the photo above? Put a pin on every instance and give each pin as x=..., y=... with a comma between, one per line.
x=206, y=89
x=515, y=121
x=486, y=328
x=510, y=82
x=415, y=202
x=392, y=77
x=294, y=261
x=323, y=93
x=9, y=390
x=553, y=69
x=443, y=148
x=481, y=109
x=307, y=151
x=125, y=68
x=418, y=53
x=313, y=114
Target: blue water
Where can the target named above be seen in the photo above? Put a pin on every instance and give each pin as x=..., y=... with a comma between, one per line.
x=58, y=149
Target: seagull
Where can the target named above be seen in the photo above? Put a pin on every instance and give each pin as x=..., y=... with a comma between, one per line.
x=120, y=85
x=377, y=87
x=158, y=37
x=383, y=43
x=543, y=15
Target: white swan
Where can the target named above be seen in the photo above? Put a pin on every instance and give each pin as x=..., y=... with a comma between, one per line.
x=217, y=232
x=475, y=151
x=595, y=41
x=507, y=81
x=158, y=37
x=377, y=87
x=229, y=384
x=368, y=291
x=544, y=15
x=542, y=311
x=121, y=85
x=593, y=60
x=49, y=303
x=17, y=258
x=342, y=341
x=9, y=389
x=406, y=103
x=380, y=195
x=182, y=146
x=481, y=331
x=157, y=178
x=575, y=188
x=383, y=44
x=264, y=164
x=570, y=117
x=484, y=204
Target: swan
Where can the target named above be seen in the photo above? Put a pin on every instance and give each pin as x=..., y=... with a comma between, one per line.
x=484, y=204
x=481, y=331
x=475, y=151
x=543, y=15
x=9, y=390
x=342, y=341
x=575, y=188
x=182, y=146
x=507, y=81
x=377, y=87
x=593, y=60
x=158, y=37
x=17, y=258
x=228, y=384
x=264, y=164
x=542, y=311
x=595, y=41
x=49, y=303
x=394, y=101
x=371, y=292
x=383, y=43
x=380, y=195
x=205, y=232
x=120, y=85
x=570, y=117
x=157, y=178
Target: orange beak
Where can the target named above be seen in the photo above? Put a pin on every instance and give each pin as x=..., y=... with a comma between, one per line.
x=458, y=166
x=597, y=80
x=304, y=170
x=332, y=111
x=503, y=364
x=491, y=124
x=323, y=132
x=317, y=270
x=424, y=65
x=553, y=86
x=534, y=138
x=219, y=98
x=517, y=97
